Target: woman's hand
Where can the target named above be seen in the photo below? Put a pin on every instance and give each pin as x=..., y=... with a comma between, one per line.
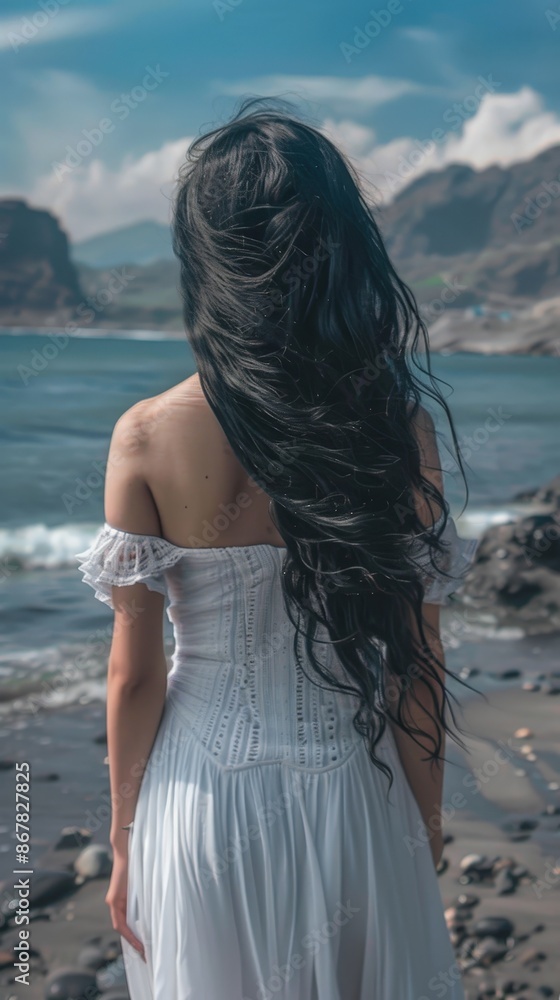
x=116, y=900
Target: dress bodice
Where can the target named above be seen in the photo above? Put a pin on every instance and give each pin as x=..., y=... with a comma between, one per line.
x=234, y=679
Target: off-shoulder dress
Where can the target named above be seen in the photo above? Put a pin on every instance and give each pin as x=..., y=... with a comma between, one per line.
x=266, y=859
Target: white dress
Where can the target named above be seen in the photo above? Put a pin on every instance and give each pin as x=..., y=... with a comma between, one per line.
x=265, y=860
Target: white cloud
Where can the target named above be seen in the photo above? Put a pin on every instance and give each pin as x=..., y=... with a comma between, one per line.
x=94, y=199
x=42, y=25
x=506, y=128
x=366, y=91
x=424, y=36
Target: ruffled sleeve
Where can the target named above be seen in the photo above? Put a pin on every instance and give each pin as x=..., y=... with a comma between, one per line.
x=444, y=572
x=118, y=558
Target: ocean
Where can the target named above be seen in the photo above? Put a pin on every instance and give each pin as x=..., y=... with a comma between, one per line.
x=60, y=400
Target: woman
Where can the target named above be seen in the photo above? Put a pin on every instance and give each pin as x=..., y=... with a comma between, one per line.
x=276, y=798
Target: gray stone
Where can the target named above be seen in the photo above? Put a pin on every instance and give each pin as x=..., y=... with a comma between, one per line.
x=497, y=927
x=70, y=983
x=91, y=957
x=72, y=836
x=95, y=861
x=489, y=950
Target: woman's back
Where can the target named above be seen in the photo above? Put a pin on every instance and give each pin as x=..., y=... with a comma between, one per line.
x=202, y=494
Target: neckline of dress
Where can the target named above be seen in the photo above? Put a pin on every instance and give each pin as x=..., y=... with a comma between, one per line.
x=197, y=548
x=215, y=548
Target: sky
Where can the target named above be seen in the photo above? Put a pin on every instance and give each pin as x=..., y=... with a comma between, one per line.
x=104, y=98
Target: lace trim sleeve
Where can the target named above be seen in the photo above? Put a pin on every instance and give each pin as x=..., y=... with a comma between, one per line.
x=444, y=572
x=118, y=558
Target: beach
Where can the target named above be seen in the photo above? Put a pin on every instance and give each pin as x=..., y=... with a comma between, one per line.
x=501, y=809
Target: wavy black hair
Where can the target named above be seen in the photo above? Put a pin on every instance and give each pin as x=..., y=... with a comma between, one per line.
x=302, y=334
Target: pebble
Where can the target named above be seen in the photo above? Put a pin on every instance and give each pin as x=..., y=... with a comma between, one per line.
x=523, y=825
x=94, y=861
x=72, y=836
x=512, y=986
x=47, y=885
x=467, y=900
x=523, y=734
x=497, y=927
x=489, y=950
x=70, y=983
x=91, y=957
x=473, y=861
x=531, y=955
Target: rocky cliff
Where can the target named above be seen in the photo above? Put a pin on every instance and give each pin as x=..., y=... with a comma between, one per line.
x=36, y=273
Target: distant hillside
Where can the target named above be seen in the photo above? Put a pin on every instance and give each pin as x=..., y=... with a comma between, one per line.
x=141, y=243
x=461, y=211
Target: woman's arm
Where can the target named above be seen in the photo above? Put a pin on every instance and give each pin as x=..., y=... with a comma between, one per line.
x=137, y=669
x=425, y=776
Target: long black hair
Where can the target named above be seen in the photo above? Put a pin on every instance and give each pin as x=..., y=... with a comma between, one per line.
x=302, y=333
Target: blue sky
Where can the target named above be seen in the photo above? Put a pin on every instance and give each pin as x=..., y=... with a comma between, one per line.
x=382, y=79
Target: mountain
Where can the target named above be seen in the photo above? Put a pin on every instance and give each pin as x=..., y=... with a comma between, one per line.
x=36, y=273
x=495, y=233
x=480, y=250
x=461, y=211
x=141, y=243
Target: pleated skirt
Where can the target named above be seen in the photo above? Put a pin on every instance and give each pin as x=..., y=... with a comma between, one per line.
x=270, y=882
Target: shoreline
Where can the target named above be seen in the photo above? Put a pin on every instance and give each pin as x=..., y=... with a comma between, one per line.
x=446, y=342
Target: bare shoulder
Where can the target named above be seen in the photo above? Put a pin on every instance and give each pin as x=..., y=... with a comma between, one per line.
x=152, y=421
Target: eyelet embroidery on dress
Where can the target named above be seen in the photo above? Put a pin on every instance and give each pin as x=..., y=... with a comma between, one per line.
x=242, y=693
